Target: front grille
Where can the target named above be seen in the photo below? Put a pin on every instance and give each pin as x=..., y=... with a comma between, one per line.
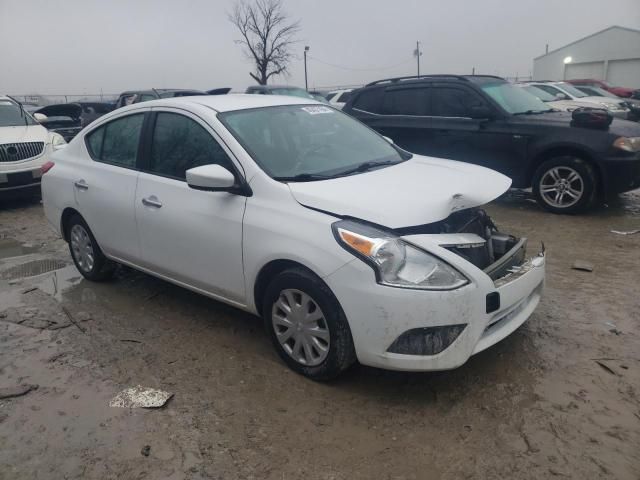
x=14, y=152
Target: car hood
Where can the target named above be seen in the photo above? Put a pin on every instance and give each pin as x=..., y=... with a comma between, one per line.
x=570, y=104
x=620, y=127
x=601, y=100
x=23, y=133
x=418, y=191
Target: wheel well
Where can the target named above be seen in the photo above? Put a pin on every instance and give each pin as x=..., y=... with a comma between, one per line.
x=268, y=273
x=66, y=216
x=561, y=152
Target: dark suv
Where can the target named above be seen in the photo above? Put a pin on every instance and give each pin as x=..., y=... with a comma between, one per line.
x=487, y=121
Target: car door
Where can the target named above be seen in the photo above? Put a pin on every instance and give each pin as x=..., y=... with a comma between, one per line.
x=398, y=112
x=490, y=142
x=105, y=187
x=192, y=236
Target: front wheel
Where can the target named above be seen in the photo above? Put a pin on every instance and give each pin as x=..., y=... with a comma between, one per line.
x=565, y=185
x=307, y=325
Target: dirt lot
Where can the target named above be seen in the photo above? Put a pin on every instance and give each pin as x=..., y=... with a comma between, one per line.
x=558, y=399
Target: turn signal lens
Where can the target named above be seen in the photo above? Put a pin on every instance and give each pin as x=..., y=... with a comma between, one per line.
x=359, y=243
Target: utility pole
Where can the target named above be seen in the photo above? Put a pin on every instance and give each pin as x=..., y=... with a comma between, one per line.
x=417, y=54
x=306, y=83
x=473, y=71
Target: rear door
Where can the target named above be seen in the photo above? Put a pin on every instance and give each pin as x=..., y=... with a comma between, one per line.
x=191, y=236
x=105, y=187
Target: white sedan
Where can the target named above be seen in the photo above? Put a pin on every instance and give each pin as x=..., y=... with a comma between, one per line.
x=349, y=247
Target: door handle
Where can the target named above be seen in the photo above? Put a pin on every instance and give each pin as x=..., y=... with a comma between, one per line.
x=81, y=184
x=152, y=201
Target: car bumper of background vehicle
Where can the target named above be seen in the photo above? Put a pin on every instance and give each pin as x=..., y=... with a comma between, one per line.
x=19, y=179
x=621, y=174
x=378, y=314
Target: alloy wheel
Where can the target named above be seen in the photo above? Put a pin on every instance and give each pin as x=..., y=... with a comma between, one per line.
x=300, y=327
x=82, y=248
x=561, y=187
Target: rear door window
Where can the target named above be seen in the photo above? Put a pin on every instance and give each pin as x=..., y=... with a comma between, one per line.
x=370, y=101
x=180, y=143
x=405, y=101
x=117, y=141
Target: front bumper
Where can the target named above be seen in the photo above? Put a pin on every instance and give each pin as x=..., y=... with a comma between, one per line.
x=378, y=314
x=20, y=179
x=620, y=173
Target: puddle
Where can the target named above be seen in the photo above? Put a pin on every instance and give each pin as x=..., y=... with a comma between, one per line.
x=12, y=248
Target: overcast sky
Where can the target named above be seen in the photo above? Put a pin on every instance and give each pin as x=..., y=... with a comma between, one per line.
x=85, y=46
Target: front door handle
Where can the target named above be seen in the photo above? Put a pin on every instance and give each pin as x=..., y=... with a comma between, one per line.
x=152, y=201
x=81, y=184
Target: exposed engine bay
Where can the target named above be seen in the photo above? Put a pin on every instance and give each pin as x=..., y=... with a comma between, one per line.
x=494, y=252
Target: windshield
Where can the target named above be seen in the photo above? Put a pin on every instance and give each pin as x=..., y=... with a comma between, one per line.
x=514, y=99
x=541, y=94
x=308, y=141
x=292, y=92
x=571, y=90
x=11, y=115
x=599, y=92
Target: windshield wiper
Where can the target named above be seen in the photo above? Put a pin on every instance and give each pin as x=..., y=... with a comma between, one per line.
x=366, y=166
x=303, y=177
x=534, y=112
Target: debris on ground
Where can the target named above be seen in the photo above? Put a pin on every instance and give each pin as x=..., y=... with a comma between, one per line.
x=146, y=450
x=607, y=368
x=582, y=265
x=16, y=391
x=628, y=232
x=140, y=397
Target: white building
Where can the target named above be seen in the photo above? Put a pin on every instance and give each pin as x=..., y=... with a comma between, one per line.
x=612, y=54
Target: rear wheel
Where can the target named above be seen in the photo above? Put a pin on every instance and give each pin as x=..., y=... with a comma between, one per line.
x=86, y=254
x=307, y=325
x=565, y=185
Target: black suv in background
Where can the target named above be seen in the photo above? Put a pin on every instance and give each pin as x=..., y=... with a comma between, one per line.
x=487, y=121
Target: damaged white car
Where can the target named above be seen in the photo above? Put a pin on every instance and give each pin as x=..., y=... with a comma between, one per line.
x=349, y=247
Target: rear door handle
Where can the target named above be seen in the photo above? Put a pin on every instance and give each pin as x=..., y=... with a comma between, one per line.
x=81, y=184
x=152, y=201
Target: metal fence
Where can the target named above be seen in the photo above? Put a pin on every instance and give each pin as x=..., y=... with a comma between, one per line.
x=42, y=100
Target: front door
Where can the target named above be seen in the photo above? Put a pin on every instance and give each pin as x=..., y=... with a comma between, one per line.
x=192, y=236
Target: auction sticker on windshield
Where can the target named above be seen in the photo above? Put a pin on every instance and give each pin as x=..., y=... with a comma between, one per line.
x=317, y=110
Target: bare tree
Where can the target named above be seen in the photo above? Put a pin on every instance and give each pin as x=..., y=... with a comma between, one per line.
x=267, y=36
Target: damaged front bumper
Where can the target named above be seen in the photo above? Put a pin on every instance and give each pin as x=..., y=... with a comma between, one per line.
x=462, y=322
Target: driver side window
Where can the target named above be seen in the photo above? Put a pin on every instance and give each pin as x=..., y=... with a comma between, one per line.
x=179, y=143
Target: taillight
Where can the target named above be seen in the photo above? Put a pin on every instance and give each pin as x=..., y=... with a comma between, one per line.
x=46, y=167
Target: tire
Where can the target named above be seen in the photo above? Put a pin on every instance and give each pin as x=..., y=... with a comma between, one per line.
x=85, y=252
x=325, y=321
x=565, y=185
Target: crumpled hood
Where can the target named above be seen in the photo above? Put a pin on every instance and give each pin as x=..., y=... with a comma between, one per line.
x=23, y=133
x=416, y=192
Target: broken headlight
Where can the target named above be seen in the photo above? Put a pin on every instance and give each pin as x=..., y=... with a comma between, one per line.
x=396, y=262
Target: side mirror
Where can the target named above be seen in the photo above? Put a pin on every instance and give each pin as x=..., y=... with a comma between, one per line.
x=480, y=112
x=390, y=140
x=39, y=117
x=213, y=178
x=561, y=96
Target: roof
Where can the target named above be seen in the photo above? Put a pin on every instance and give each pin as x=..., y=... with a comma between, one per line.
x=233, y=101
x=588, y=36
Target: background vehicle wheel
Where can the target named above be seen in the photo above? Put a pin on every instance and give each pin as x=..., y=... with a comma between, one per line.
x=86, y=253
x=307, y=325
x=565, y=185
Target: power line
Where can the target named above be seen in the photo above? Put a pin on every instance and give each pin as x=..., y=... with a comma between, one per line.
x=358, y=69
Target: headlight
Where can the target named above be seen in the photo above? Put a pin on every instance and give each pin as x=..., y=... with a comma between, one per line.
x=628, y=144
x=57, y=141
x=396, y=262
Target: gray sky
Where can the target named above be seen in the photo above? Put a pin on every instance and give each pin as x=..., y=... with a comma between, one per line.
x=83, y=46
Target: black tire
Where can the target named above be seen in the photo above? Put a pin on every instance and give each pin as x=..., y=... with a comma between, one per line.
x=341, y=353
x=102, y=268
x=586, y=181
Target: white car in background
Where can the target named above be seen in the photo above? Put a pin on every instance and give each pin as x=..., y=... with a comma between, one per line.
x=348, y=247
x=552, y=101
x=338, y=98
x=566, y=91
x=24, y=148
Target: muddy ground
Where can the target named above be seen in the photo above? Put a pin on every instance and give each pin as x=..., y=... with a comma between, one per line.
x=560, y=398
